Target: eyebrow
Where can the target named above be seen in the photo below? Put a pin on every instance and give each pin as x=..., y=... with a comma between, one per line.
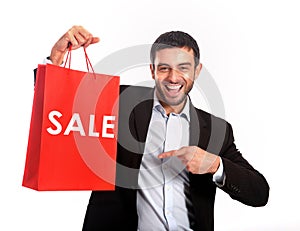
x=180, y=64
x=162, y=64
x=183, y=64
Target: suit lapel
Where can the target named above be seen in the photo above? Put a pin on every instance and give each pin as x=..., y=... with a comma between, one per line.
x=199, y=129
x=141, y=117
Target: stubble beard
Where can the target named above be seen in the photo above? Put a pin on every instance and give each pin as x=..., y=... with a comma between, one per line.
x=161, y=96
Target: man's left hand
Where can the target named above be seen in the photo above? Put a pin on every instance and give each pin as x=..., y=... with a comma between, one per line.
x=196, y=160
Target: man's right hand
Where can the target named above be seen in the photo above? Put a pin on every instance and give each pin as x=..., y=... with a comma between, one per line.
x=77, y=36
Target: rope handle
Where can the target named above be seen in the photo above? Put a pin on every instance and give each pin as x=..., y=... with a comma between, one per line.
x=87, y=60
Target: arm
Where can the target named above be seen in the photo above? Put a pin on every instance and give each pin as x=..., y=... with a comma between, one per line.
x=242, y=181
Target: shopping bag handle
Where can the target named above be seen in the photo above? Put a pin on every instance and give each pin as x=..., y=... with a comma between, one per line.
x=87, y=60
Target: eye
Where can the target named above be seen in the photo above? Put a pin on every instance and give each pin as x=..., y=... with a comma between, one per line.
x=184, y=68
x=164, y=69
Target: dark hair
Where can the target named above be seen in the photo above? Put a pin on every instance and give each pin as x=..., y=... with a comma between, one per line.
x=175, y=39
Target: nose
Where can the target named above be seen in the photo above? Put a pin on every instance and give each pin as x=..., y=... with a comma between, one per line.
x=173, y=75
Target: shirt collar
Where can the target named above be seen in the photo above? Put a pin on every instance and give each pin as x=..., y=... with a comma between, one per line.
x=185, y=113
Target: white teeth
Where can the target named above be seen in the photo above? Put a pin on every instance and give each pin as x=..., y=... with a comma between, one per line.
x=173, y=87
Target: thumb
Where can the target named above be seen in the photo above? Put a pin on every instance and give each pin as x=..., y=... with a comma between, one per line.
x=95, y=40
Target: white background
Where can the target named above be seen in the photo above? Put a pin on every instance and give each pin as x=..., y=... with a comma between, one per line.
x=252, y=50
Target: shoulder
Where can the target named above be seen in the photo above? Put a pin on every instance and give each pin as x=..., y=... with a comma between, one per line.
x=209, y=118
x=216, y=130
x=135, y=92
x=218, y=127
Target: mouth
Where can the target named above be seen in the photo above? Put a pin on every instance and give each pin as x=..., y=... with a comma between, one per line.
x=173, y=90
x=173, y=87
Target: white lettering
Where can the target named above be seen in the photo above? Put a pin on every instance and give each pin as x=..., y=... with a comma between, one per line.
x=79, y=128
x=92, y=126
x=75, y=125
x=107, y=125
x=55, y=123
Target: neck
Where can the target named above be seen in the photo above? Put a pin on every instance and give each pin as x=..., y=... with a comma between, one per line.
x=173, y=108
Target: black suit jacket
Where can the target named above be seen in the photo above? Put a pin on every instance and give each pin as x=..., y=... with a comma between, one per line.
x=116, y=210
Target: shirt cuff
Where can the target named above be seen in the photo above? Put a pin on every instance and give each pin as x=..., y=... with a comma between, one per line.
x=219, y=176
x=48, y=61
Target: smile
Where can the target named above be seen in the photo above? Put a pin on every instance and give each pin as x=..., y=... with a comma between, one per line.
x=173, y=87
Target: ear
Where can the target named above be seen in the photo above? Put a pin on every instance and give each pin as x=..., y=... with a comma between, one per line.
x=198, y=69
x=152, y=71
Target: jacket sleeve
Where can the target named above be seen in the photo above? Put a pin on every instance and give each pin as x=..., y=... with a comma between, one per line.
x=243, y=182
x=34, y=75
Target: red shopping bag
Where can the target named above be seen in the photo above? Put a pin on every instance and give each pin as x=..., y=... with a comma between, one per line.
x=73, y=132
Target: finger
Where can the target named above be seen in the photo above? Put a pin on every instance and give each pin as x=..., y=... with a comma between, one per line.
x=78, y=36
x=186, y=159
x=91, y=40
x=70, y=38
x=182, y=151
x=86, y=37
x=80, y=40
x=95, y=40
x=86, y=40
x=167, y=154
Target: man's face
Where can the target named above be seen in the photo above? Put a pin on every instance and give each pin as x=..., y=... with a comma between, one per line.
x=174, y=73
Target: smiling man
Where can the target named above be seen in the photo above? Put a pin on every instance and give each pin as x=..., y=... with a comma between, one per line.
x=167, y=178
x=174, y=78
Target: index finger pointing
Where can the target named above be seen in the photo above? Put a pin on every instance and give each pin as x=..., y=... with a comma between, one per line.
x=166, y=154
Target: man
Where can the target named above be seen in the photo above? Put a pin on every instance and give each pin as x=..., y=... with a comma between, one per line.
x=171, y=156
